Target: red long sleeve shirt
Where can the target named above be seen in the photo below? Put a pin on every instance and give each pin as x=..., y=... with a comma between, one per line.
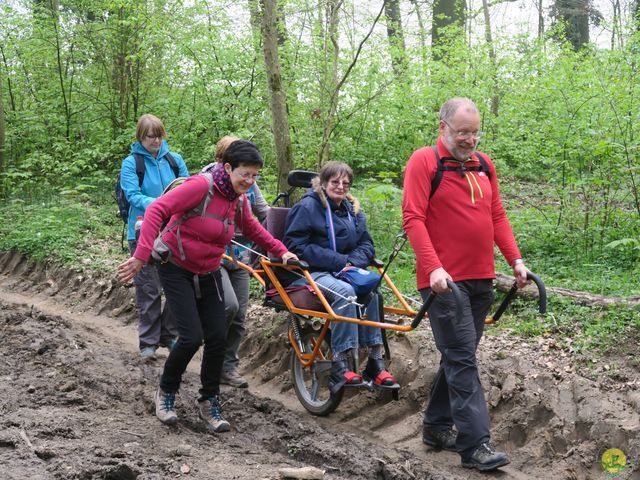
x=457, y=227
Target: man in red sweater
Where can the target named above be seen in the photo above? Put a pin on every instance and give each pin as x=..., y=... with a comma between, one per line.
x=452, y=227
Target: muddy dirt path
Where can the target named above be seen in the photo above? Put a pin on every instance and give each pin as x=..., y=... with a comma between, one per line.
x=76, y=402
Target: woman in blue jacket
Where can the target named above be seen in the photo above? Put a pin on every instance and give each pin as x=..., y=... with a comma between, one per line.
x=156, y=326
x=308, y=234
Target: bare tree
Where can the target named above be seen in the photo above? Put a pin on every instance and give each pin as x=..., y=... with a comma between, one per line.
x=277, y=95
x=422, y=30
x=324, y=150
x=395, y=34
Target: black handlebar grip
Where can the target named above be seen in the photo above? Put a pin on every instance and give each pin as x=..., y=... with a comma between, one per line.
x=505, y=303
x=376, y=262
x=423, y=310
x=296, y=263
x=542, y=297
x=457, y=297
x=542, y=292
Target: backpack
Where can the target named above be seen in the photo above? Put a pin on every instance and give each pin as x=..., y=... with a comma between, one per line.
x=437, y=179
x=121, y=198
x=161, y=252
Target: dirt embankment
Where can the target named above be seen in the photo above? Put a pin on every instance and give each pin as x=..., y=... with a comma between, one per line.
x=76, y=401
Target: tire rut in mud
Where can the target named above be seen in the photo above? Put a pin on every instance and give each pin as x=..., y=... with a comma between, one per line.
x=77, y=406
x=552, y=414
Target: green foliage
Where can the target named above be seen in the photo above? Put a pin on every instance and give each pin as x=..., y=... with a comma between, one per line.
x=71, y=230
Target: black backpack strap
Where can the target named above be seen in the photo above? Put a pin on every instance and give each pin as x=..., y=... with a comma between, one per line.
x=174, y=165
x=435, y=183
x=140, y=168
x=484, y=166
x=437, y=179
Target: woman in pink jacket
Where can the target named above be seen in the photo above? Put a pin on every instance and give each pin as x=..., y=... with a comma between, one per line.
x=190, y=275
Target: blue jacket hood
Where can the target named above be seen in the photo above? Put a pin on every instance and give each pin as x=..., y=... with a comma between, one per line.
x=139, y=149
x=158, y=175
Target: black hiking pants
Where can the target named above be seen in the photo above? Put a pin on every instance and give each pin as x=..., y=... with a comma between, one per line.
x=199, y=320
x=457, y=397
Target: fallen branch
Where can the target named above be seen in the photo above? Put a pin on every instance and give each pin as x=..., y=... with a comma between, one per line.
x=306, y=473
x=505, y=282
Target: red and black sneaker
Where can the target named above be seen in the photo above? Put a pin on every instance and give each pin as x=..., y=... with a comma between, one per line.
x=341, y=376
x=376, y=372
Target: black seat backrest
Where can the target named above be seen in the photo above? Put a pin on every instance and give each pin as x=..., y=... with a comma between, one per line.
x=276, y=219
x=301, y=178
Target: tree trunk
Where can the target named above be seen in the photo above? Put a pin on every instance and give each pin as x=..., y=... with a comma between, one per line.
x=540, y=20
x=395, y=35
x=255, y=16
x=52, y=7
x=448, y=15
x=278, y=99
x=422, y=32
x=2, y=135
x=495, y=97
x=331, y=79
x=574, y=14
x=121, y=73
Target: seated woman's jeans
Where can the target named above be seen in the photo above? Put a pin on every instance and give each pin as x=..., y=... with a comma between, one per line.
x=345, y=336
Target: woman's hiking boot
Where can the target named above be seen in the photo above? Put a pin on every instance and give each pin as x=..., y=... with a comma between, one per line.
x=232, y=377
x=210, y=411
x=165, y=407
x=376, y=372
x=440, y=439
x=148, y=353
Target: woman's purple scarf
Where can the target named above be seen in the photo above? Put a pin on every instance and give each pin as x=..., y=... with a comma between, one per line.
x=222, y=181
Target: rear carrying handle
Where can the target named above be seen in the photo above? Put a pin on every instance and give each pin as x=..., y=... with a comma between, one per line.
x=457, y=297
x=542, y=298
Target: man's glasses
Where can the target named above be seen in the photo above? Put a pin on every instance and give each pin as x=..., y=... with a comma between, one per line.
x=465, y=134
x=337, y=183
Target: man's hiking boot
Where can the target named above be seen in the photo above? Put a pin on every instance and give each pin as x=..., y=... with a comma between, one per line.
x=165, y=407
x=233, y=378
x=485, y=458
x=376, y=372
x=148, y=353
x=441, y=439
x=210, y=411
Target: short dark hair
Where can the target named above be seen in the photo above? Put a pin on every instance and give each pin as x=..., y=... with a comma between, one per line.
x=334, y=169
x=242, y=152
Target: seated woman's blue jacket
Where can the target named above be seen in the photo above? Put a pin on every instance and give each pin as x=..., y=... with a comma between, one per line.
x=307, y=232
